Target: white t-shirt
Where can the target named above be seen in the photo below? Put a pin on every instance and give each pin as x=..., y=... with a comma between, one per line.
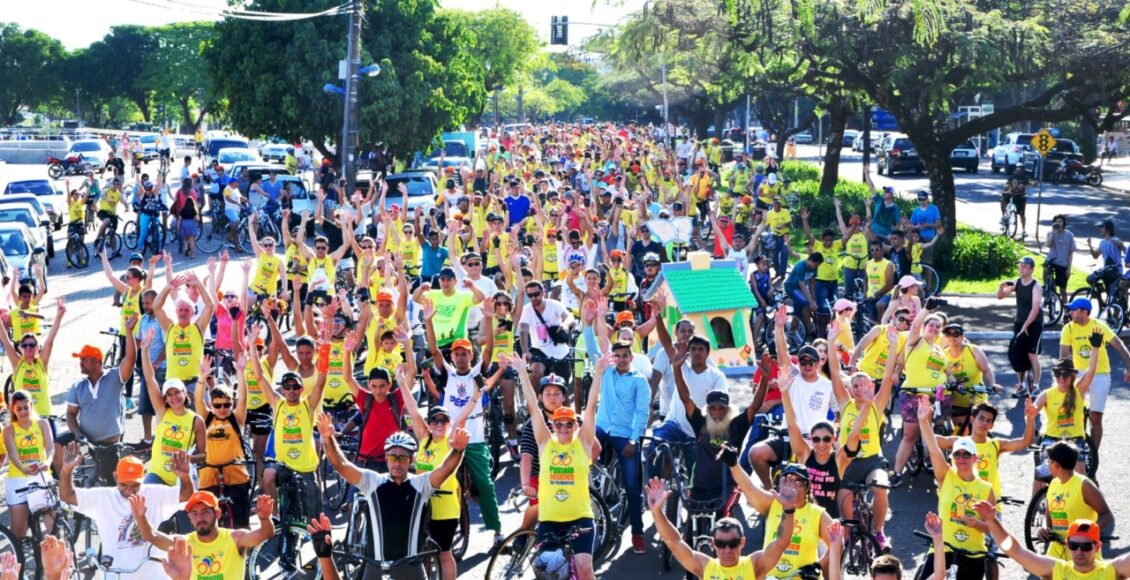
x=810, y=400
x=457, y=395
x=569, y=298
x=699, y=384
x=741, y=258
x=165, y=142
x=118, y=531
x=554, y=315
x=475, y=315
x=683, y=149
x=232, y=193
x=667, y=384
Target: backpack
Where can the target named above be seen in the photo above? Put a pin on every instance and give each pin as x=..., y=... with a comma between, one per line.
x=247, y=451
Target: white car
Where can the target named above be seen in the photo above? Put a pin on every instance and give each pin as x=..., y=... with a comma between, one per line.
x=276, y=151
x=95, y=151
x=230, y=155
x=21, y=247
x=24, y=216
x=1010, y=152
x=47, y=198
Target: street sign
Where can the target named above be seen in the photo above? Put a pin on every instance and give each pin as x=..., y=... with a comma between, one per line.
x=1043, y=142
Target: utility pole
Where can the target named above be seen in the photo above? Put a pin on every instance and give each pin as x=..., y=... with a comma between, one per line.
x=866, y=141
x=78, y=106
x=666, y=120
x=349, y=127
x=521, y=110
x=497, y=117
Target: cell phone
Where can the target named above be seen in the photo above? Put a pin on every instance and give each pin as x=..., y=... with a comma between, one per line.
x=1010, y=283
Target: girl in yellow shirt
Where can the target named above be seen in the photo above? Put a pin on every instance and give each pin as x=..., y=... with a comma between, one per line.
x=178, y=428
x=1063, y=405
x=29, y=438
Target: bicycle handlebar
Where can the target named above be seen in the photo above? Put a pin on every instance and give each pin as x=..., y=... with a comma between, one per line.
x=386, y=565
x=971, y=553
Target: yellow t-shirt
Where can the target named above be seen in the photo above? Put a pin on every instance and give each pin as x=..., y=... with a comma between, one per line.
x=336, y=388
x=964, y=367
x=109, y=200
x=1079, y=339
x=503, y=248
x=29, y=447
x=743, y=570
x=256, y=396
x=76, y=210
x=876, y=275
x=563, y=482
x=320, y=274
x=32, y=377
x=295, y=261
x=779, y=221
x=1061, y=424
x=829, y=269
x=766, y=192
x=131, y=306
x=267, y=274
x=802, y=548
x=869, y=444
x=184, y=349
x=445, y=501
x=219, y=559
x=925, y=368
x=874, y=359
x=450, y=321
x=956, y=499
x=1065, y=570
x=856, y=250
x=221, y=446
x=21, y=323
x=619, y=278
x=503, y=340
x=174, y=433
x=294, y=437
x=1065, y=505
x=988, y=459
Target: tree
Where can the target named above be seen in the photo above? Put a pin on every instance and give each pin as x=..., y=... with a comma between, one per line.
x=30, y=65
x=272, y=74
x=176, y=71
x=127, y=48
x=921, y=59
x=503, y=43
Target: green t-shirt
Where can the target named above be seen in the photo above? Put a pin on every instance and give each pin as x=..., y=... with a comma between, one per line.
x=450, y=322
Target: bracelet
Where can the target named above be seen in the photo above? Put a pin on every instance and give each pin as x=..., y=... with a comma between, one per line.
x=790, y=511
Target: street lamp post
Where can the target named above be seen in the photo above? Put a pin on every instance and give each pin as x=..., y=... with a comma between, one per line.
x=349, y=132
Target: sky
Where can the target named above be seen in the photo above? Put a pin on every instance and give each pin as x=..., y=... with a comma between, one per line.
x=85, y=21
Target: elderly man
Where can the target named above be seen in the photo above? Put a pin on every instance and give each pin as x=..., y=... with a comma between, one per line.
x=184, y=339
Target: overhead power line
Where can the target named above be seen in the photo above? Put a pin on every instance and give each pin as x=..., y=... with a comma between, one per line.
x=200, y=10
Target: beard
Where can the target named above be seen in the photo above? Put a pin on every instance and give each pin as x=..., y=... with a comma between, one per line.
x=719, y=428
x=205, y=529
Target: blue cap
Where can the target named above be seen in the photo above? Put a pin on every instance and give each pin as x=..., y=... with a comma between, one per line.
x=1080, y=304
x=140, y=258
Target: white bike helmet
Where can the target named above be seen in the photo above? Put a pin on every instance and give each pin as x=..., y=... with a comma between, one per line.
x=402, y=440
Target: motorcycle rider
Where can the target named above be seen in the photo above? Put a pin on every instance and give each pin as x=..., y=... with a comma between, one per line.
x=1016, y=190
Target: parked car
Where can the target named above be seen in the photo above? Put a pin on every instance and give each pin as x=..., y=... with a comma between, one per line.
x=966, y=157
x=803, y=138
x=1064, y=149
x=213, y=146
x=1010, y=151
x=422, y=187
x=20, y=248
x=95, y=151
x=148, y=147
x=41, y=194
x=24, y=215
x=898, y=154
x=230, y=155
x=849, y=138
x=276, y=151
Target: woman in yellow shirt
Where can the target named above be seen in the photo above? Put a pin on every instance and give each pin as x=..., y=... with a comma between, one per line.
x=565, y=459
x=1063, y=405
x=924, y=364
x=29, y=359
x=33, y=447
x=178, y=428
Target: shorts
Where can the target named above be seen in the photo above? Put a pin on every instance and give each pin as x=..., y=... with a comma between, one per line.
x=799, y=301
x=968, y=567
x=232, y=215
x=1100, y=389
x=188, y=228
x=908, y=405
x=1030, y=341
x=443, y=532
x=16, y=490
x=534, y=484
x=584, y=543
x=552, y=365
x=259, y=419
x=105, y=215
x=164, y=153
x=1021, y=202
x=760, y=205
x=1059, y=275
x=861, y=468
x=780, y=447
x=509, y=373
x=309, y=502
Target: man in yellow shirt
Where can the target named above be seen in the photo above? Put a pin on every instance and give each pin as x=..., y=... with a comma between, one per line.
x=780, y=221
x=108, y=206
x=1074, y=342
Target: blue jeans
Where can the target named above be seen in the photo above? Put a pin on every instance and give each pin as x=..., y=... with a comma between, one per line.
x=781, y=257
x=825, y=296
x=799, y=301
x=143, y=222
x=630, y=471
x=850, y=276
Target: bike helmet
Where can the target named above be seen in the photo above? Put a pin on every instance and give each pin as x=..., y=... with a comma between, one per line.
x=551, y=565
x=402, y=440
x=651, y=258
x=136, y=257
x=555, y=380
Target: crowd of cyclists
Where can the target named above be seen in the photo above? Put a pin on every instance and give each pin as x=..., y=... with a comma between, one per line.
x=381, y=366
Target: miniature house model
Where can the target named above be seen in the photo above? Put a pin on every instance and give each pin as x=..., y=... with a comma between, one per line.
x=712, y=294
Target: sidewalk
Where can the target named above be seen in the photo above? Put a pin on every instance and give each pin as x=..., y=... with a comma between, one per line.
x=1116, y=175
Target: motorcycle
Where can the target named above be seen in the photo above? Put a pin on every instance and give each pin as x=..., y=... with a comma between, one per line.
x=1073, y=171
x=71, y=165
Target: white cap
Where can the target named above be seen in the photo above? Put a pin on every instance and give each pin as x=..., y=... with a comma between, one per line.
x=173, y=384
x=965, y=444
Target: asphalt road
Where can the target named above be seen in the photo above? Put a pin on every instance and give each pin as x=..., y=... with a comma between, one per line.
x=88, y=297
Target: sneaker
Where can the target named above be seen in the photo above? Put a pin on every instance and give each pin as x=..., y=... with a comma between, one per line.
x=512, y=447
x=884, y=543
x=130, y=405
x=896, y=480
x=638, y=545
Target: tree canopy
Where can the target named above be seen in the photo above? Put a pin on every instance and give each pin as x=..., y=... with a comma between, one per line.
x=30, y=64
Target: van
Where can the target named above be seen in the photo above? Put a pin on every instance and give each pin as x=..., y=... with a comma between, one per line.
x=213, y=146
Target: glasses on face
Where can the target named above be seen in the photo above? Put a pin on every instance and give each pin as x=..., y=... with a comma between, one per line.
x=28, y=345
x=230, y=297
x=902, y=320
x=474, y=264
x=1063, y=374
x=367, y=246
x=822, y=439
x=268, y=245
x=321, y=248
x=534, y=294
x=730, y=544
x=1080, y=546
x=221, y=405
x=807, y=362
x=292, y=387
x=564, y=424
x=397, y=458
x=439, y=421
x=962, y=455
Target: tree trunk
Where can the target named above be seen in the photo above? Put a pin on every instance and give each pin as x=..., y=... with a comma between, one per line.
x=199, y=118
x=326, y=153
x=838, y=115
x=938, y=168
x=186, y=113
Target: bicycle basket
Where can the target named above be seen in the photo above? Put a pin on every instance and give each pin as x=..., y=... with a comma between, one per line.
x=551, y=565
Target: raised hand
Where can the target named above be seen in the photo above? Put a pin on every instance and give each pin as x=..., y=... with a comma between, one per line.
x=925, y=409
x=933, y=525
x=180, y=464
x=9, y=566
x=657, y=493
x=137, y=505
x=788, y=495
x=55, y=556
x=680, y=356
x=131, y=323
x=427, y=308
x=264, y=506
x=72, y=456
x=459, y=439
x=60, y=308
x=781, y=316
x=325, y=425
x=178, y=560
x=836, y=532
x=147, y=340
x=606, y=361
x=1031, y=411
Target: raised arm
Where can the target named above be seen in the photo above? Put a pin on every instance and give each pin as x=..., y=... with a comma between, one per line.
x=346, y=468
x=1036, y=564
x=458, y=443
x=537, y=419
x=404, y=383
x=937, y=458
x=691, y=561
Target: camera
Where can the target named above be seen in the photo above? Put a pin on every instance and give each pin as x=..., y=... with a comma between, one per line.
x=496, y=241
x=618, y=201
x=934, y=303
x=363, y=293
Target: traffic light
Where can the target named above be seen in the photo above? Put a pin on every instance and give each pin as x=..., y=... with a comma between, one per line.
x=559, y=30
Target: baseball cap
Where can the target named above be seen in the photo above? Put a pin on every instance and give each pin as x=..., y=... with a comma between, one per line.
x=965, y=444
x=624, y=317
x=616, y=254
x=1080, y=304
x=461, y=343
x=717, y=398
x=204, y=498
x=923, y=194
x=1028, y=261
x=447, y=273
x=436, y=411
x=564, y=413
x=953, y=329
x=907, y=281
x=130, y=470
x=469, y=256
x=173, y=384
x=843, y=304
x=450, y=184
x=809, y=351
x=772, y=179
x=136, y=257
x=1082, y=527
x=89, y=352
x=384, y=296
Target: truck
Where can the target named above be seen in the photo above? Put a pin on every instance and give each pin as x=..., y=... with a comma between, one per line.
x=459, y=149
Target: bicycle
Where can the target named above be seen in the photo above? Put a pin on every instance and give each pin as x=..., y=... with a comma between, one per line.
x=668, y=461
x=991, y=557
x=1010, y=221
x=114, y=355
x=929, y=281
x=226, y=519
x=110, y=240
x=63, y=528
x=1109, y=298
x=335, y=490
x=919, y=459
x=1052, y=304
x=78, y=255
x=106, y=566
x=155, y=236
x=291, y=539
x=863, y=321
x=516, y=558
x=354, y=562
x=610, y=510
x=494, y=418
x=861, y=546
x=214, y=234
x=796, y=334
x=697, y=530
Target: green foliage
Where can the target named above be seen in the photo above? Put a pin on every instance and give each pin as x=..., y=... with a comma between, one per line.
x=176, y=72
x=30, y=67
x=429, y=81
x=978, y=255
x=503, y=42
x=794, y=170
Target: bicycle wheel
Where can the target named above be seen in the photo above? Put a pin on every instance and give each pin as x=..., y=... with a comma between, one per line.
x=931, y=282
x=795, y=333
x=1115, y=317
x=1011, y=223
x=113, y=246
x=1052, y=306
x=333, y=487
x=357, y=540
x=155, y=238
x=211, y=238
x=917, y=459
x=462, y=531
x=514, y=557
x=496, y=434
x=1092, y=463
x=860, y=551
x=129, y=234
x=77, y=253
x=607, y=542
x=243, y=240
x=1036, y=519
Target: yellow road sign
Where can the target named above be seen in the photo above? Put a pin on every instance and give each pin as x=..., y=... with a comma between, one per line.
x=1043, y=142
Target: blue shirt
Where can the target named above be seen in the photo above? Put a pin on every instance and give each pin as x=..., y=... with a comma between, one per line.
x=432, y=260
x=272, y=190
x=146, y=322
x=926, y=217
x=800, y=274
x=517, y=208
x=625, y=402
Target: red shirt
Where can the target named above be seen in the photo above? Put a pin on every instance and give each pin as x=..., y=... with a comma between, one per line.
x=381, y=423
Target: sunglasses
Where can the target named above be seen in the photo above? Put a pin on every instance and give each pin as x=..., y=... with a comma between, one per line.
x=221, y=405
x=807, y=362
x=474, y=264
x=230, y=297
x=292, y=387
x=902, y=320
x=397, y=458
x=439, y=421
x=1080, y=546
x=824, y=439
x=1064, y=374
x=321, y=248
x=28, y=345
x=534, y=294
x=953, y=334
x=564, y=424
x=730, y=544
x=962, y=455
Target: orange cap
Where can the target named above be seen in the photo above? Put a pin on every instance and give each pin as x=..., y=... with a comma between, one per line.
x=130, y=470
x=89, y=352
x=616, y=254
x=564, y=413
x=384, y=296
x=260, y=342
x=747, y=199
x=461, y=343
x=625, y=316
x=1086, y=528
x=201, y=498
